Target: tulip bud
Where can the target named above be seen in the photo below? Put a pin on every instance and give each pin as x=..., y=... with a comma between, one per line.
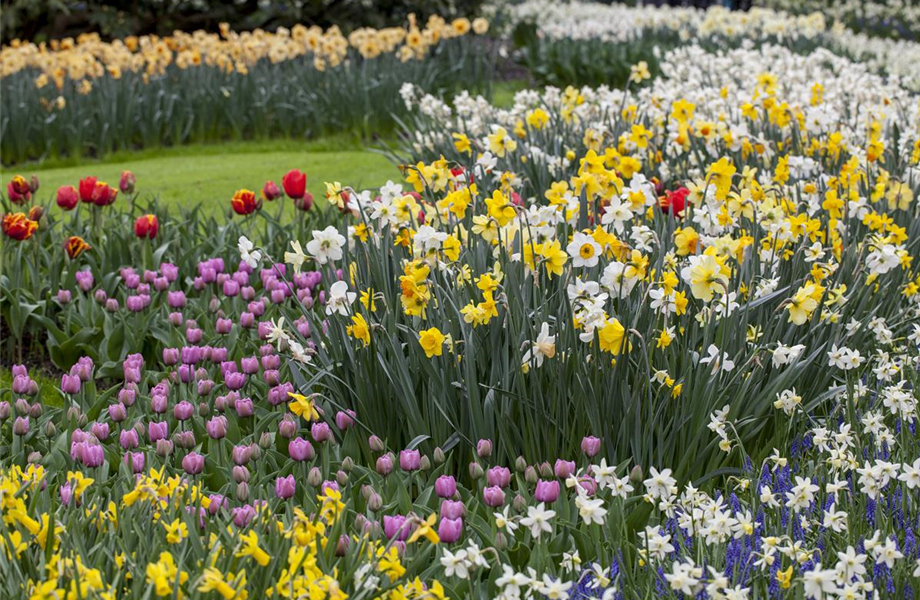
x=484, y=448
x=287, y=428
x=376, y=444
x=439, y=457
x=385, y=464
x=546, y=470
x=164, y=448
x=348, y=464
x=21, y=426
x=315, y=477
x=265, y=442
x=242, y=491
x=50, y=429
x=519, y=503
x=530, y=475
x=35, y=411
x=520, y=464
x=500, y=542
x=374, y=502
x=341, y=546
x=341, y=477
x=5, y=410
x=240, y=474
x=476, y=471
x=636, y=475
x=34, y=458
x=425, y=463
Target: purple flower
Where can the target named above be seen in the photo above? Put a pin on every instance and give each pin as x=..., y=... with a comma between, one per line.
x=184, y=410
x=300, y=449
x=547, y=491
x=395, y=526
x=157, y=431
x=135, y=461
x=409, y=460
x=445, y=486
x=590, y=445
x=344, y=419
x=385, y=464
x=500, y=476
x=70, y=384
x=320, y=432
x=117, y=412
x=564, y=468
x=450, y=530
x=216, y=427
x=451, y=509
x=493, y=496
x=128, y=439
x=285, y=487
x=193, y=463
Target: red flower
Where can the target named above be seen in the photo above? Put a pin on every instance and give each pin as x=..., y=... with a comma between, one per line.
x=126, y=183
x=18, y=226
x=295, y=183
x=75, y=246
x=245, y=202
x=146, y=226
x=18, y=190
x=305, y=203
x=87, y=187
x=270, y=191
x=675, y=201
x=104, y=194
x=67, y=197
x=36, y=213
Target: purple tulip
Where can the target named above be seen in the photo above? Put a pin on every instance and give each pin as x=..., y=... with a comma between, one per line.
x=117, y=412
x=243, y=515
x=170, y=356
x=500, y=476
x=244, y=407
x=564, y=468
x=184, y=410
x=320, y=432
x=484, y=448
x=193, y=463
x=345, y=419
x=409, y=460
x=590, y=445
x=100, y=430
x=547, y=491
x=241, y=455
x=285, y=487
x=450, y=530
x=395, y=526
x=128, y=439
x=445, y=486
x=235, y=381
x=21, y=426
x=493, y=496
x=385, y=464
x=135, y=461
x=300, y=449
x=70, y=384
x=452, y=509
x=157, y=431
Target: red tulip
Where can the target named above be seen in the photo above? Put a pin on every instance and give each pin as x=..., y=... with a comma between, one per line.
x=675, y=201
x=270, y=191
x=126, y=183
x=245, y=202
x=18, y=190
x=146, y=226
x=75, y=246
x=67, y=197
x=104, y=194
x=18, y=226
x=87, y=187
x=305, y=203
x=295, y=183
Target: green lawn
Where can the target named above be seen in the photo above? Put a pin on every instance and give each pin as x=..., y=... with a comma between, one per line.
x=210, y=174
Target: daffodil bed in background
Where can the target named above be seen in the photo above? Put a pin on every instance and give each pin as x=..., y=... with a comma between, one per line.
x=657, y=339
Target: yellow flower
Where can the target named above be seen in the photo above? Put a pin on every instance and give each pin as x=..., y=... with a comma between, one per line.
x=359, y=329
x=163, y=574
x=705, y=275
x=212, y=580
x=639, y=72
x=251, y=548
x=431, y=341
x=499, y=208
x=462, y=143
x=500, y=142
x=554, y=257
x=176, y=531
x=302, y=407
x=720, y=174
x=612, y=336
x=426, y=530
x=784, y=578
x=537, y=118
x=802, y=304
x=389, y=563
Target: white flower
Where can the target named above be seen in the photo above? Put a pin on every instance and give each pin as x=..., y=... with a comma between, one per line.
x=326, y=245
x=538, y=520
x=719, y=361
x=543, y=347
x=784, y=355
x=585, y=252
x=887, y=553
x=277, y=334
x=591, y=510
x=503, y=520
x=340, y=299
x=818, y=582
x=660, y=484
x=455, y=565
x=617, y=212
x=555, y=590
x=250, y=256
x=295, y=258
x=911, y=474
x=850, y=563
